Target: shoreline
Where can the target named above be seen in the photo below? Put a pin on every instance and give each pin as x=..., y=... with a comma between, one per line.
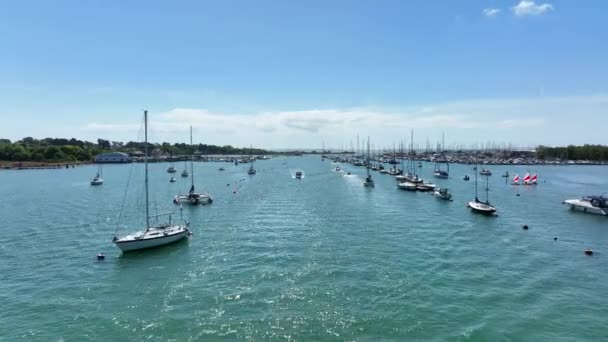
x=30, y=165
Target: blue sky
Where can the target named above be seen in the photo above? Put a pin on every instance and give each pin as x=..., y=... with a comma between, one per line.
x=293, y=74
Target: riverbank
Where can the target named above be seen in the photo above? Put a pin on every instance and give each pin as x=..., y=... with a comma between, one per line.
x=29, y=165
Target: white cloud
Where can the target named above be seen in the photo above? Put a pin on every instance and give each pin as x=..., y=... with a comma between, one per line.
x=529, y=7
x=538, y=120
x=491, y=12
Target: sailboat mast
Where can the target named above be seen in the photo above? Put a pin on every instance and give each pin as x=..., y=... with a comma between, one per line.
x=191, y=159
x=146, y=167
x=476, y=171
x=367, y=166
x=487, y=189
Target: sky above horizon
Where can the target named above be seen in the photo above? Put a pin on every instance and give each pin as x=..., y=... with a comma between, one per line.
x=296, y=74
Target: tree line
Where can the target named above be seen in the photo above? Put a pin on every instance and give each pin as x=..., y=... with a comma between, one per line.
x=571, y=152
x=74, y=150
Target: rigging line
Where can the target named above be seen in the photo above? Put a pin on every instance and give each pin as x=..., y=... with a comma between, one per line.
x=124, y=198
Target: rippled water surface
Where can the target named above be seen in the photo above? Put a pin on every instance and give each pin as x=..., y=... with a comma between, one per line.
x=321, y=258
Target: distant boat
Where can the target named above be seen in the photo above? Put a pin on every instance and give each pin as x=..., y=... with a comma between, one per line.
x=337, y=169
x=479, y=206
x=98, y=180
x=251, y=170
x=171, y=169
x=298, y=174
x=590, y=204
x=369, y=182
x=152, y=236
x=515, y=180
x=192, y=197
x=442, y=193
x=407, y=186
x=506, y=174
x=530, y=180
x=485, y=172
x=442, y=173
x=466, y=177
x=221, y=169
x=425, y=186
x=185, y=172
x=172, y=180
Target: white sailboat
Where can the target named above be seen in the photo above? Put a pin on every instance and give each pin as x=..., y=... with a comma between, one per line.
x=369, y=182
x=192, y=197
x=185, y=172
x=153, y=235
x=98, y=180
x=479, y=206
x=442, y=193
x=440, y=172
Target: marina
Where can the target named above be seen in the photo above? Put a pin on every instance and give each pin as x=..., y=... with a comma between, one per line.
x=287, y=250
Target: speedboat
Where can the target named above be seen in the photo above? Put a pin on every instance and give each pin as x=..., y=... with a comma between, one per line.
x=172, y=180
x=590, y=204
x=442, y=193
x=299, y=174
x=407, y=186
x=466, y=177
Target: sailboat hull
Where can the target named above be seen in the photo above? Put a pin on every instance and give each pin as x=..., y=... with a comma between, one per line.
x=151, y=239
x=482, y=208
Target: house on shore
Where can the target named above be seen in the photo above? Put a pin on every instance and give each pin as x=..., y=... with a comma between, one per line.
x=112, y=157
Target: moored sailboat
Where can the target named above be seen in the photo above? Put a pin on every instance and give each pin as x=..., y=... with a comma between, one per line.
x=156, y=235
x=481, y=206
x=192, y=197
x=369, y=182
x=97, y=180
x=515, y=180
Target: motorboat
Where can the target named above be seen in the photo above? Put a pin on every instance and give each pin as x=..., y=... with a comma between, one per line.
x=485, y=172
x=156, y=235
x=298, y=174
x=172, y=180
x=466, y=177
x=337, y=169
x=442, y=193
x=407, y=186
x=171, y=169
x=425, y=187
x=590, y=204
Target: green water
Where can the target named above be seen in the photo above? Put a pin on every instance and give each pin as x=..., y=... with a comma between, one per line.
x=322, y=258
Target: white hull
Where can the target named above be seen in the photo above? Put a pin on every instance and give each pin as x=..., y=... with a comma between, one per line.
x=443, y=196
x=154, y=237
x=407, y=186
x=586, y=207
x=482, y=207
x=194, y=200
x=97, y=181
x=369, y=184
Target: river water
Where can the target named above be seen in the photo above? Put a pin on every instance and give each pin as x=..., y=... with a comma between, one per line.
x=321, y=258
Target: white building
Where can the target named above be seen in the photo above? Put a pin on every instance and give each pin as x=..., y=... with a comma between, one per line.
x=112, y=157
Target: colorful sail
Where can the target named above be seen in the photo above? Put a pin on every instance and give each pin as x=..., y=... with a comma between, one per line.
x=534, y=179
x=516, y=179
x=527, y=178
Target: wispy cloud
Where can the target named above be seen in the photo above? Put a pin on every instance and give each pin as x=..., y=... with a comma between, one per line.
x=491, y=12
x=529, y=7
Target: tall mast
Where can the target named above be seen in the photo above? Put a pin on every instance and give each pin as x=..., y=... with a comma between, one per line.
x=191, y=159
x=367, y=166
x=487, y=189
x=146, y=167
x=476, y=171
